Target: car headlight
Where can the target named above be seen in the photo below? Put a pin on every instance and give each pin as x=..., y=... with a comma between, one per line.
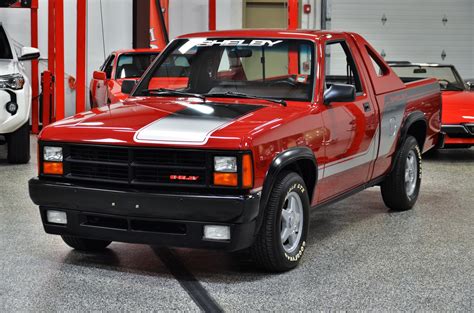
x=52, y=154
x=12, y=81
x=225, y=164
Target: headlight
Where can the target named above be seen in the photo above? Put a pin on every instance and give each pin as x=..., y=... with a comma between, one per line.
x=53, y=154
x=225, y=164
x=12, y=81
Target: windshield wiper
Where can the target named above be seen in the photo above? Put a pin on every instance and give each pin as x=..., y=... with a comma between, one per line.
x=172, y=92
x=244, y=95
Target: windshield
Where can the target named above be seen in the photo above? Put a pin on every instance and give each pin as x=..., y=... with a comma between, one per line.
x=446, y=75
x=5, y=51
x=133, y=65
x=267, y=68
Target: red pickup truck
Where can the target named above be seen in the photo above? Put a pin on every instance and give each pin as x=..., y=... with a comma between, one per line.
x=105, y=85
x=230, y=138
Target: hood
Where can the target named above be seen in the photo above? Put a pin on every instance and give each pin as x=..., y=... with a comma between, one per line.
x=167, y=122
x=8, y=67
x=458, y=107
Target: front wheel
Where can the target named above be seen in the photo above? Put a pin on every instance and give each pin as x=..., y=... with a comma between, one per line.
x=84, y=244
x=401, y=188
x=281, y=241
x=19, y=145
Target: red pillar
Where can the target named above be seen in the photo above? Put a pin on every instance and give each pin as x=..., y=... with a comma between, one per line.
x=34, y=72
x=212, y=14
x=81, y=56
x=59, y=50
x=293, y=14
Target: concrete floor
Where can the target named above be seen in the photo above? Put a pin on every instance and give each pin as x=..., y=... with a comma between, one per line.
x=359, y=257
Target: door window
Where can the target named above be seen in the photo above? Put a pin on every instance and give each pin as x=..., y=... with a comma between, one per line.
x=340, y=66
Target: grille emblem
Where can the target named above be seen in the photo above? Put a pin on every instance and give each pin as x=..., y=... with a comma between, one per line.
x=184, y=177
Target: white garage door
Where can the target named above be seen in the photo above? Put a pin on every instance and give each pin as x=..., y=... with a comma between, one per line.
x=439, y=31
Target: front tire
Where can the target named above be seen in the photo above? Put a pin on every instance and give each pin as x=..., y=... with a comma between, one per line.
x=281, y=241
x=19, y=145
x=401, y=188
x=83, y=244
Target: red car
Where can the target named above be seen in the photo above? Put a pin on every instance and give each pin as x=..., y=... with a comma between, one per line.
x=231, y=138
x=123, y=64
x=458, y=99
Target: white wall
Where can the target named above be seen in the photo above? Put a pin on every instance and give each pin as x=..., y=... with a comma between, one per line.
x=414, y=30
x=117, y=18
x=188, y=16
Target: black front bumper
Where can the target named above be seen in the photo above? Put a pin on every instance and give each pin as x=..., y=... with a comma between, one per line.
x=172, y=220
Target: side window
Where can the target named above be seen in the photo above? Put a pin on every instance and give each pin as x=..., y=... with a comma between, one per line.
x=340, y=66
x=108, y=66
x=379, y=67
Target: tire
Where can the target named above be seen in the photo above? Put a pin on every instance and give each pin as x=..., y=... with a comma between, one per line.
x=19, y=145
x=268, y=250
x=401, y=188
x=85, y=244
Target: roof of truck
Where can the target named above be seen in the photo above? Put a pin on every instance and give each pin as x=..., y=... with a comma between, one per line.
x=140, y=50
x=282, y=33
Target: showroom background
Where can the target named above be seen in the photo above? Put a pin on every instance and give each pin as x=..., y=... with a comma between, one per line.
x=439, y=31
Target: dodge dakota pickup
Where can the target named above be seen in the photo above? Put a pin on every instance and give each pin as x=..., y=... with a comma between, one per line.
x=228, y=141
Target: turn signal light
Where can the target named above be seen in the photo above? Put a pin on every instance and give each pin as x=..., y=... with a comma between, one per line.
x=226, y=179
x=53, y=168
x=247, y=172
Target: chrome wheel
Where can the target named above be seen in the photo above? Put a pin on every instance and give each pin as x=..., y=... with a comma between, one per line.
x=411, y=173
x=291, y=227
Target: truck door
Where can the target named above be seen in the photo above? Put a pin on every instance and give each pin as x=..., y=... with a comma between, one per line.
x=351, y=141
x=100, y=93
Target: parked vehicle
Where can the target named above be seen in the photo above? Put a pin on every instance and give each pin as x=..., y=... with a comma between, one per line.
x=105, y=86
x=458, y=99
x=231, y=138
x=470, y=83
x=15, y=99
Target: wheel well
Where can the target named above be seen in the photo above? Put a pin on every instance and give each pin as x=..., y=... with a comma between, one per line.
x=418, y=130
x=307, y=170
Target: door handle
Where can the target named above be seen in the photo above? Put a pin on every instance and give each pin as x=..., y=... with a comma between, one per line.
x=366, y=107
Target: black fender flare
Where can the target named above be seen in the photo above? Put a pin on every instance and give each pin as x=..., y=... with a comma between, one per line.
x=411, y=119
x=282, y=160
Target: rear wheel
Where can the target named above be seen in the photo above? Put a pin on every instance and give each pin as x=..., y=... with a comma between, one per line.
x=19, y=145
x=401, y=188
x=281, y=241
x=85, y=244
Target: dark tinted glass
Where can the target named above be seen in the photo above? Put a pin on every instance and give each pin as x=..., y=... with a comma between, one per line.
x=5, y=51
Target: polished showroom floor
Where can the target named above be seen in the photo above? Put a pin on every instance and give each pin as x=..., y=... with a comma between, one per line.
x=360, y=256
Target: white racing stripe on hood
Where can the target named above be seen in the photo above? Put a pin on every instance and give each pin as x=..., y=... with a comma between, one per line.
x=193, y=125
x=180, y=129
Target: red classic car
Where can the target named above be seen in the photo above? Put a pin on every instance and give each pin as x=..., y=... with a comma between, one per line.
x=458, y=99
x=122, y=64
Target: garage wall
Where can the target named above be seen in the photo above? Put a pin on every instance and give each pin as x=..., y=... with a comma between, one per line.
x=413, y=30
x=188, y=16
x=117, y=34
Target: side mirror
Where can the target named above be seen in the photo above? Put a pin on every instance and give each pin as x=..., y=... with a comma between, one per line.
x=29, y=53
x=339, y=93
x=470, y=86
x=128, y=85
x=99, y=75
